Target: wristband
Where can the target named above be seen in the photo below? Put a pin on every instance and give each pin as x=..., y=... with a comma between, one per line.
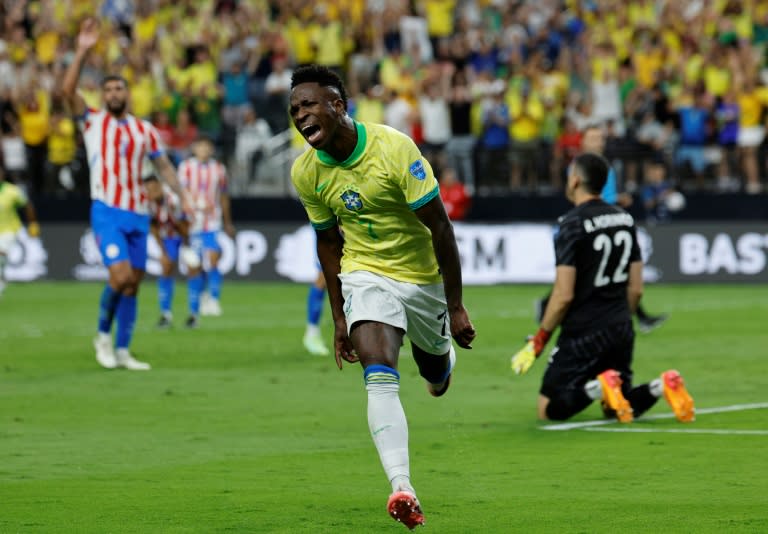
x=540, y=340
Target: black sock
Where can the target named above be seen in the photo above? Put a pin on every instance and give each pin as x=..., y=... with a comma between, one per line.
x=641, y=399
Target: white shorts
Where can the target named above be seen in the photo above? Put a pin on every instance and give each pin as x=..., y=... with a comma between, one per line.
x=420, y=310
x=751, y=136
x=7, y=239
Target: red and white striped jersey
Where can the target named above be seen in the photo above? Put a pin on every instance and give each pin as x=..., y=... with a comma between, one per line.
x=116, y=152
x=166, y=214
x=205, y=181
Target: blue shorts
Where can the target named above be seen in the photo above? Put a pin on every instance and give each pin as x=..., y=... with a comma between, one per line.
x=202, y=241
x=120, y=234
x=171, y=246
x=693, y=155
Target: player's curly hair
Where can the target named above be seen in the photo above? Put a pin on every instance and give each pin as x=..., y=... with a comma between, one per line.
x=320, y=75
x=593, y=169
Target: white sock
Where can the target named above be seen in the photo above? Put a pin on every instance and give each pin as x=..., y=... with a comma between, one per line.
x=656, y=387
x=594, y=389
x=105, y=337
x=312, y=330
x=387, y=423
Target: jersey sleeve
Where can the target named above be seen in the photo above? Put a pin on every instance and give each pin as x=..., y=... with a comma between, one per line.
x=568, y=234
x=416, y=178
x=85, y=120
x=320, y=215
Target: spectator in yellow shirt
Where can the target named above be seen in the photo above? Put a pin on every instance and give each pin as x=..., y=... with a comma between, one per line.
x=32, y=108
x=526, y=113
x=61, y=152
x=751, y=131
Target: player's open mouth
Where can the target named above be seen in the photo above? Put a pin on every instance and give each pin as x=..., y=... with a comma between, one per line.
x=311, y=133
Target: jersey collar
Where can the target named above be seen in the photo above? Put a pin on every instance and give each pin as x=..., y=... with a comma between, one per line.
x=326, y=158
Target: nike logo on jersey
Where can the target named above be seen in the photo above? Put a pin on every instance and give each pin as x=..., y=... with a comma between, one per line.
x=321, y=186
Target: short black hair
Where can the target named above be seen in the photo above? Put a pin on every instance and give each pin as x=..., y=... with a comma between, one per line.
x=593, y=170
x=113, y=78
x=320, y=75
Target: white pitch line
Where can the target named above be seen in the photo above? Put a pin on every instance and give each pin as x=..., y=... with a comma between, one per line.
x=680, y=431
x=699, y=411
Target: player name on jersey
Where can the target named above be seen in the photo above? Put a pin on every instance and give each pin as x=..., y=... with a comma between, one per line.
x=608, y=220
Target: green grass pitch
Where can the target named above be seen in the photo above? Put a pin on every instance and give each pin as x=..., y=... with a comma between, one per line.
x=236, y=429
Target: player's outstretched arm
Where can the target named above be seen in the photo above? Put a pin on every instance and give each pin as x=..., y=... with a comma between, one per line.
x=433, y=216
x=330, y=246
x=559, y=302
x=86, y=40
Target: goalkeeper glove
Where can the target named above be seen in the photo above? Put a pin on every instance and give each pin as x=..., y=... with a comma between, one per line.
x=33, y=229
x=190, y=258
x=524, y=358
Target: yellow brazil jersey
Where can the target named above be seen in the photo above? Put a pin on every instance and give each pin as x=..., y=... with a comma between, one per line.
x=11, y=199
x=373, y=195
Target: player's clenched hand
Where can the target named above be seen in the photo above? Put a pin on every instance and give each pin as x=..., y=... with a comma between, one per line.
x=461, y=328
x=342, y=344
x=524, y=358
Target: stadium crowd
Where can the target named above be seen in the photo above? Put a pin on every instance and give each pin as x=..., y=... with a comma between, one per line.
x=498, y=91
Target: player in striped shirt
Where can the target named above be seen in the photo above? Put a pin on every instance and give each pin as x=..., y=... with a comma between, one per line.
x=116, y=143
x=205, y=181
x=170, y=228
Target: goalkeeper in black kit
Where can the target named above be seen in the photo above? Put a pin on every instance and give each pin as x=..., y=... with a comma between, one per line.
x=598, y=285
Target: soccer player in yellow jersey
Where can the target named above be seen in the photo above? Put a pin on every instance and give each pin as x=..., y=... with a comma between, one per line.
x=396, y=269
x=12, y=199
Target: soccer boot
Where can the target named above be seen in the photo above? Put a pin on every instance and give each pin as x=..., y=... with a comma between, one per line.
x=651, y=322
x=677, y=396
x=613, y=398
x=315, y=345
x=404, y=507
x=165, y=321
x=438, y=390
x=212, y=308
x=191, y=322
x=105, y=354
x=127, y=361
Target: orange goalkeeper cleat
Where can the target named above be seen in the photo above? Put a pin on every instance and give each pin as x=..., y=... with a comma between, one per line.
x=613, y=398
x=677, y=396
x=404, y=507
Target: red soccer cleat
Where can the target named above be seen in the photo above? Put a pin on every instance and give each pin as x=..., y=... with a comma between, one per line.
x=613, y=398
x=404, y=507
x=677, y=396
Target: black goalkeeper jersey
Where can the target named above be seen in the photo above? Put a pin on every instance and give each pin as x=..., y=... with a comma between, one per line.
x=600, y=241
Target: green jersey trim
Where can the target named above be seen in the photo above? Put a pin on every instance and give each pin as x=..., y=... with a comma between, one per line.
x=425, y=199
x=362, y=137
x=330, y=223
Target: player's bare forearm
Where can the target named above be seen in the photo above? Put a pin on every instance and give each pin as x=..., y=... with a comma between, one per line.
x=330, y=246
x=561, y=298
x=30, y=213
x=433, y=216
x=69, y=85
x=635, y=285
x=166, y=170
x=226, y=214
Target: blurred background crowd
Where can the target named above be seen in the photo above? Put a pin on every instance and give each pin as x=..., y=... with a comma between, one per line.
x=497, y=93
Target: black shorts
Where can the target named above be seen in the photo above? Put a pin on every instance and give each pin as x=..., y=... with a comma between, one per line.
x=575, y=360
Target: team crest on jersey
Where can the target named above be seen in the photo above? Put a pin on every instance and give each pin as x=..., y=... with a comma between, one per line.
x=417, y=170
x=352, y=200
